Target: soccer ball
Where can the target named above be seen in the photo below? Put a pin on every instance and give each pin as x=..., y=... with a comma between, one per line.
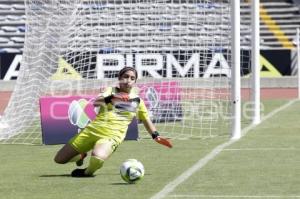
x=132, y=171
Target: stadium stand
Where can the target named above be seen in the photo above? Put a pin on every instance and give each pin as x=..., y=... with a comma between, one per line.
x=279, y=21
x=12, y=25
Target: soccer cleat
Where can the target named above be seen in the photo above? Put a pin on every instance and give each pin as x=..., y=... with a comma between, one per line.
x=80, y=173
x=80, y=161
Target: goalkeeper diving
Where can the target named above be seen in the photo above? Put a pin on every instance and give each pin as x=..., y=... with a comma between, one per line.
x=117, y=107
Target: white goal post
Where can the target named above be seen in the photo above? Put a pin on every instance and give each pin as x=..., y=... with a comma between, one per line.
x=77, y=47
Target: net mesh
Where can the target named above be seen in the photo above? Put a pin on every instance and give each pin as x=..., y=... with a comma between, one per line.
x=77, y=47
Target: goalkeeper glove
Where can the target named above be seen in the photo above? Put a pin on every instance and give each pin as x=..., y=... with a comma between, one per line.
x=120, y=96
x=161, y=140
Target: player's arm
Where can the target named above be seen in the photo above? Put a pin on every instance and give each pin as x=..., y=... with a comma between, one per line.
x=108, y=97
x=99, y=100
x=154, y=133
x=149, y=126
x=144, y=117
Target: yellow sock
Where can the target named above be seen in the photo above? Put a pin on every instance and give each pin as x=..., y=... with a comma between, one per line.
x=95, y=164
x=75, y=158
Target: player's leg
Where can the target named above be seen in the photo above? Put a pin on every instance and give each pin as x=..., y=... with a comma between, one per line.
x=102, y=150
x=75, y=150
x=67, y=154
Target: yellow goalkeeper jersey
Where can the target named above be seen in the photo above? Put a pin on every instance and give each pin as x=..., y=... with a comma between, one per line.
x=113, y=120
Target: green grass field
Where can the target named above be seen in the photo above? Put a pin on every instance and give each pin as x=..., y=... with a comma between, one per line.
x=265, y=163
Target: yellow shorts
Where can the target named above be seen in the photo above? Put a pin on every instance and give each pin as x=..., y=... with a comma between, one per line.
x=86, y=140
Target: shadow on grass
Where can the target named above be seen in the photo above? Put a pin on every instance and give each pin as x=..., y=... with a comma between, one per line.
x=69, y=175
x=108, y=174
x=52, y=176
x=120, y=183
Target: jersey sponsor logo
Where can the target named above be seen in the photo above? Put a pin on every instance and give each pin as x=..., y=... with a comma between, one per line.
x=127, y=106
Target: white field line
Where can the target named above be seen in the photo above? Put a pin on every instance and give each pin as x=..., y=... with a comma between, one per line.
x=262, y=149
x=231, y=196
x=202, y=162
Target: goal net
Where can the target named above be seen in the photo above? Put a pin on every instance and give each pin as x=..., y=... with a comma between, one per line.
x=180, y=48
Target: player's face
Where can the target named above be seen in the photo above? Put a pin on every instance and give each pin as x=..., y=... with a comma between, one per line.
x=126, y=81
